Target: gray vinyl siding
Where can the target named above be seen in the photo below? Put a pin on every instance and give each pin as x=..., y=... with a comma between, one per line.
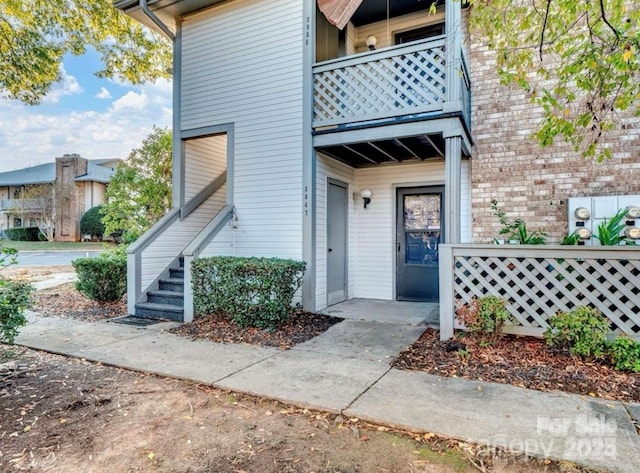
x=204, y=160
x=243, y=64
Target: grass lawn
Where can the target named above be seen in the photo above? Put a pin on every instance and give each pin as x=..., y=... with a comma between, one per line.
x=55, y=245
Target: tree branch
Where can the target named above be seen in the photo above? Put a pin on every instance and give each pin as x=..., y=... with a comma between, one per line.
x=544, y=26
x=604, y=18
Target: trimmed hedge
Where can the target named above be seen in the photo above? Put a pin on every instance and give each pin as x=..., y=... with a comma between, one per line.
x=254, y=292
x=23, y=234
x=102, y=279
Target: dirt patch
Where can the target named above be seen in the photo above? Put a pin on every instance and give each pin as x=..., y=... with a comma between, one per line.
x=66, y=302
x=34, y=273
x=65, y=415
x=521, y=361
x=298, y=328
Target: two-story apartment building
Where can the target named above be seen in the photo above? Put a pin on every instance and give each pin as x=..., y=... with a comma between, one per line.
x=81, y=185
x=340, y=132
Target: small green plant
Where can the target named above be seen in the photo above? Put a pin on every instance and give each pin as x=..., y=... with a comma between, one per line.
x=485, y=315
x=570, y=240
x=102, y=279
x=516, y=230
x=253, y=292
x=610, y=228
x=582, y=331
x=91, y=223
x=625, y=354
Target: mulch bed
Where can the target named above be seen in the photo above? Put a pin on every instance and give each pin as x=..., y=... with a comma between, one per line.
x=66, y=302
x=298, y=328
x=521, y=361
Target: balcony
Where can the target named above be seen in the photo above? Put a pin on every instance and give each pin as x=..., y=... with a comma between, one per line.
x=22, y=205
x=406, y=82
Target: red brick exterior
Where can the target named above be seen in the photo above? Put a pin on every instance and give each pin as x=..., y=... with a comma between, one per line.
x=530, y=182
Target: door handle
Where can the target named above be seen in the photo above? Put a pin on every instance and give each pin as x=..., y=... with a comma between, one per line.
x=330, y=250
x=398, y=246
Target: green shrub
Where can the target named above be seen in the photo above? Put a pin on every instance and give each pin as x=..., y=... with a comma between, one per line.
x=23, y=234
x=102, y=279
x=91, y=223
x=625, y=354
x=254, y=292
x=485, y=315
x=14, y=300
x=582, y=331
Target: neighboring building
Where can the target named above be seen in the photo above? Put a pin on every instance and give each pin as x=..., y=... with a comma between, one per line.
x=84, y=182
x=358, y=149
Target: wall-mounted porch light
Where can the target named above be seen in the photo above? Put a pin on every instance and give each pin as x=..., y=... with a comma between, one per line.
x=366, y=196
x=371, y=42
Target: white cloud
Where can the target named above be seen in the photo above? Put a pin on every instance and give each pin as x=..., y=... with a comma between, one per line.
x=103, y=94
x=68, y=85
x=131, y=101
x=37, y=137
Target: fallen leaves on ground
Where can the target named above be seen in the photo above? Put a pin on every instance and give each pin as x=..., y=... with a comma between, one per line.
x=299, y=327
x=521, y=361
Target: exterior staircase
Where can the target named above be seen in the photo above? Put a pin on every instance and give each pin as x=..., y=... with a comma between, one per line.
x=166, y=302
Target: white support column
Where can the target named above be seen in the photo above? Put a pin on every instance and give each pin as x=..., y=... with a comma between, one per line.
x=133, y=281
x=453, y=51
x=188, y=290
x=447, y=309
x=452, y=188
x=309, y=162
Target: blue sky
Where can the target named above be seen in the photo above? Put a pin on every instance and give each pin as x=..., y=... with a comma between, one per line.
x=96, y=118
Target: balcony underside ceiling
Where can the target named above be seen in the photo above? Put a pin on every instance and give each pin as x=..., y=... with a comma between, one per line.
x=395, y=150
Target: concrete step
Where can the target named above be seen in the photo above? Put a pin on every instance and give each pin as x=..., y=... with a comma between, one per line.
x=176, y=273
x=166, y=297
x=159, y=311
x=171, y=284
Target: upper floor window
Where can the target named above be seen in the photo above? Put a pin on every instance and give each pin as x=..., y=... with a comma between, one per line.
x=424, y=32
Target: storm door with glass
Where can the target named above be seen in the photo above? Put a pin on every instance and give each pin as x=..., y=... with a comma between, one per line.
x=419, y=231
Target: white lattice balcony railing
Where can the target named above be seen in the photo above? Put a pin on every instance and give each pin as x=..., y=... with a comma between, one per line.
x=393, y=82
x=539, y=281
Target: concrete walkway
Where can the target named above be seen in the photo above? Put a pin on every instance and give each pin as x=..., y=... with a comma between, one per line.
x=347, y=370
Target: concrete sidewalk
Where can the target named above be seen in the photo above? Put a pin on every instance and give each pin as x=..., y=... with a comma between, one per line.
x=347, y=370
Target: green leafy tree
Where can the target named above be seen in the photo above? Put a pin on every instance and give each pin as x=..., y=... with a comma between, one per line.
x=139, y=193
x=36, y=34
x=577, y=60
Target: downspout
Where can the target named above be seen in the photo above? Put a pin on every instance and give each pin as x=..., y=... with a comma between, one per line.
x=152, y=16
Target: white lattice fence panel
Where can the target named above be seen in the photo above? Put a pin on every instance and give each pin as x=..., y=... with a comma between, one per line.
x=403, y=81
x=538, y=287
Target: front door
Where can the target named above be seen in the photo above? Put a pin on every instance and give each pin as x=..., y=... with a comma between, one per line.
x=419, y=231
x=336, y=242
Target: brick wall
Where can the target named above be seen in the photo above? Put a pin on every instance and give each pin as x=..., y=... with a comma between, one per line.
x=528, y=181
